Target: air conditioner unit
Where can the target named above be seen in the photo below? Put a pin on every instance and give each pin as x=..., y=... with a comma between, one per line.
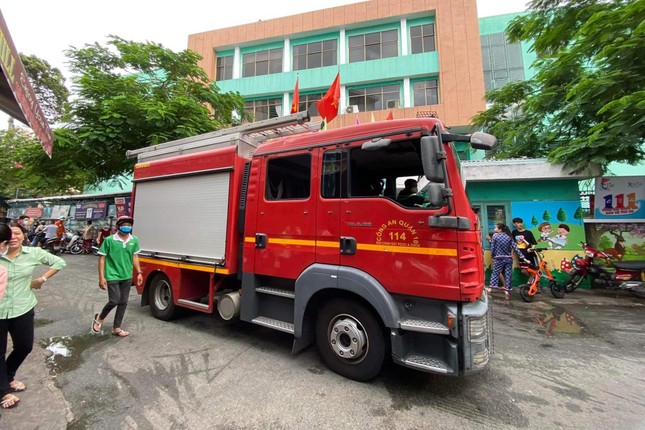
x=351, y=109
x=392, y=104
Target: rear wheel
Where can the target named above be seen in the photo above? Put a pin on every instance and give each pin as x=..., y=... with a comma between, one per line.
x=557, y=290
x=350, y=339
x=573, y=282
x=524, y=293
x=160, y=298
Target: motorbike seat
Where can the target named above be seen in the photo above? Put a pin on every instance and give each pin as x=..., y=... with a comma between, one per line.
x=630, y=265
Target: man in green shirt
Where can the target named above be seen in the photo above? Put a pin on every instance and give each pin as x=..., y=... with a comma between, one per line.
x=118, y=258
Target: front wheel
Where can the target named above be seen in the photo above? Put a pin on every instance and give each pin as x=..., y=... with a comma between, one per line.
x=76, y=248
x=573, y=282
x=557, y=290
x=160, y=298
x=524, y=293
x=350, y=339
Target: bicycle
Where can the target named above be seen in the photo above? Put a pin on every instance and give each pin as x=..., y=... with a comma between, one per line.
x=529, y=290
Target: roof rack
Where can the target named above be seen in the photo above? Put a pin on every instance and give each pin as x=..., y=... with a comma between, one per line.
x=252, y=134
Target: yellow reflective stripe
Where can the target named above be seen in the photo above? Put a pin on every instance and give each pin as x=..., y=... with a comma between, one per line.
x=446, y=252
x=292, y=242
x=327, y=244
x=185, y=266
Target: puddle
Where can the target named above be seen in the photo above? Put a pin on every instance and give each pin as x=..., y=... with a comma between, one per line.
x=41, y=322
x=558, y=320
x=66, y=351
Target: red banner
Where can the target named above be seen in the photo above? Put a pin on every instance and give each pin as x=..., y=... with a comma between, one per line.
x=16, y=76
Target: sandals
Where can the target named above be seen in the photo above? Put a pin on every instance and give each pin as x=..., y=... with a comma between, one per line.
x=120, y=333
x=96, y=325
x=9, y=401
x=17, y=386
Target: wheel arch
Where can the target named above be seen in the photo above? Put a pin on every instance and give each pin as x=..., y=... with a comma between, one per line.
x=320, y=283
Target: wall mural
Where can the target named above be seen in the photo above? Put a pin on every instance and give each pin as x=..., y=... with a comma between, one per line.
x=558, y=228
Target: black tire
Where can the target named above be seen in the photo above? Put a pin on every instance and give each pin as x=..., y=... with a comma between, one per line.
x=573, y=282
x=557, y=290
x=524, y=293
x=162, y=305
x=51, y=249
x=350, y=339
x=76, y=249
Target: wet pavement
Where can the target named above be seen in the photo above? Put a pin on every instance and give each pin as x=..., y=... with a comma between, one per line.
x=572, y=363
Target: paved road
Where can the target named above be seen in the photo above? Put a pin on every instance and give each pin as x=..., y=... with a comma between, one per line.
x=571, y=363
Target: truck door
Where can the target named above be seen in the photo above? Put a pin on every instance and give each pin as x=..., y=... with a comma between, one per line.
x=391, y=239
x=285, y=241
x=333, y=187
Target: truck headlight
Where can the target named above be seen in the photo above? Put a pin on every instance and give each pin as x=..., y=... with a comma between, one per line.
x=477, y=329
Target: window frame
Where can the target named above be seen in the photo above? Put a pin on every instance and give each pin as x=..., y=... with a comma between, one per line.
x=268, y=61
x=308, y=46
x=358, y=51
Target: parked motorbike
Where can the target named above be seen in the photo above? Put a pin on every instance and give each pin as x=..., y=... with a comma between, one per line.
x=73, y=243
x=624, y=275
x=53, y=246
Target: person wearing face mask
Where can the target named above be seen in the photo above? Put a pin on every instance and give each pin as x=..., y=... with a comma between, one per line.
x=117, y=259
x=408, y=196
x=24, y=221
x=17, y=307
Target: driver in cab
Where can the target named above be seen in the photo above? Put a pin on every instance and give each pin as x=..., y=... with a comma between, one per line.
x=408, y=195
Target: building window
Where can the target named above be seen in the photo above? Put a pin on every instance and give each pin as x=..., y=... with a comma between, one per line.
x=307, y=102
x=375, y=98
x=425, y=92
x=264, y=109
x=489, y=215
x=502, y=61
x=288, y=177
x=373, y=46
x=262, y=63
x=422, y=38
x=315, y=54
x=224, y=68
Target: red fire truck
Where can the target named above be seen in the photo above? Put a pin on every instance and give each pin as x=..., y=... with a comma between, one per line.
x=300, y=230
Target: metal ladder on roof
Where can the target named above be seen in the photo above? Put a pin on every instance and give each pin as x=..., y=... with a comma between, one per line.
x=251, y=134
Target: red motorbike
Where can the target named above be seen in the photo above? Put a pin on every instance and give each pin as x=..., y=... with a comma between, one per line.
x=623, y=275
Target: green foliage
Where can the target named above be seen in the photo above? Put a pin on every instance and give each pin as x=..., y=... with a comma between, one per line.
x=546, y=216
x=585, y=103
x=48, y=84
x=131, y=95
x=579, y=215
x=18, y=150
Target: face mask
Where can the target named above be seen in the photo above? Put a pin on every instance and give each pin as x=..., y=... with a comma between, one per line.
x=125, y=229
x=414, y=189
x=25, y=223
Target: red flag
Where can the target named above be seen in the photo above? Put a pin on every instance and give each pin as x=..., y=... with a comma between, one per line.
x=356, y=120
x=389, y=116
x=296, y=99
x=328, y=105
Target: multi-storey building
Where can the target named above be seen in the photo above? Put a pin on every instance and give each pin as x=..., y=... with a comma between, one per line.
x=402, y=57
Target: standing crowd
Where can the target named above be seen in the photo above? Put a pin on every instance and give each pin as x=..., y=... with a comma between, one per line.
x=19, y=259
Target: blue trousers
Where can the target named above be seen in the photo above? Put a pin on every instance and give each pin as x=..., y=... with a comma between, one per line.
x=502, y=265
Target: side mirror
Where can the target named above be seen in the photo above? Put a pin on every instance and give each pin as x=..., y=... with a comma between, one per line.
x=435, y=194
x=431, y=157
x=485, y=141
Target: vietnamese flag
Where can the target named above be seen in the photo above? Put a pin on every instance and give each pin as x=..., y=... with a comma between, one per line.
x=328, y=105
x=296, y=99
x=389, y=116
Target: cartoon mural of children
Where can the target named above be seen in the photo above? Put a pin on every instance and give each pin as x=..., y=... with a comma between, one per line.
x=545, y=231
x=560, y=241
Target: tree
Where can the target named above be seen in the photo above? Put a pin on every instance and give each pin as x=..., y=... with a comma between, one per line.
x=129, y=95
x=561, y=215
x=546, y=216
x=48, y=84
x=579, y=215
x=585, y=103
x=18, y=148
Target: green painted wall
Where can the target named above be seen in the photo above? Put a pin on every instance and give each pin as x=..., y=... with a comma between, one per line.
x=518, y=191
